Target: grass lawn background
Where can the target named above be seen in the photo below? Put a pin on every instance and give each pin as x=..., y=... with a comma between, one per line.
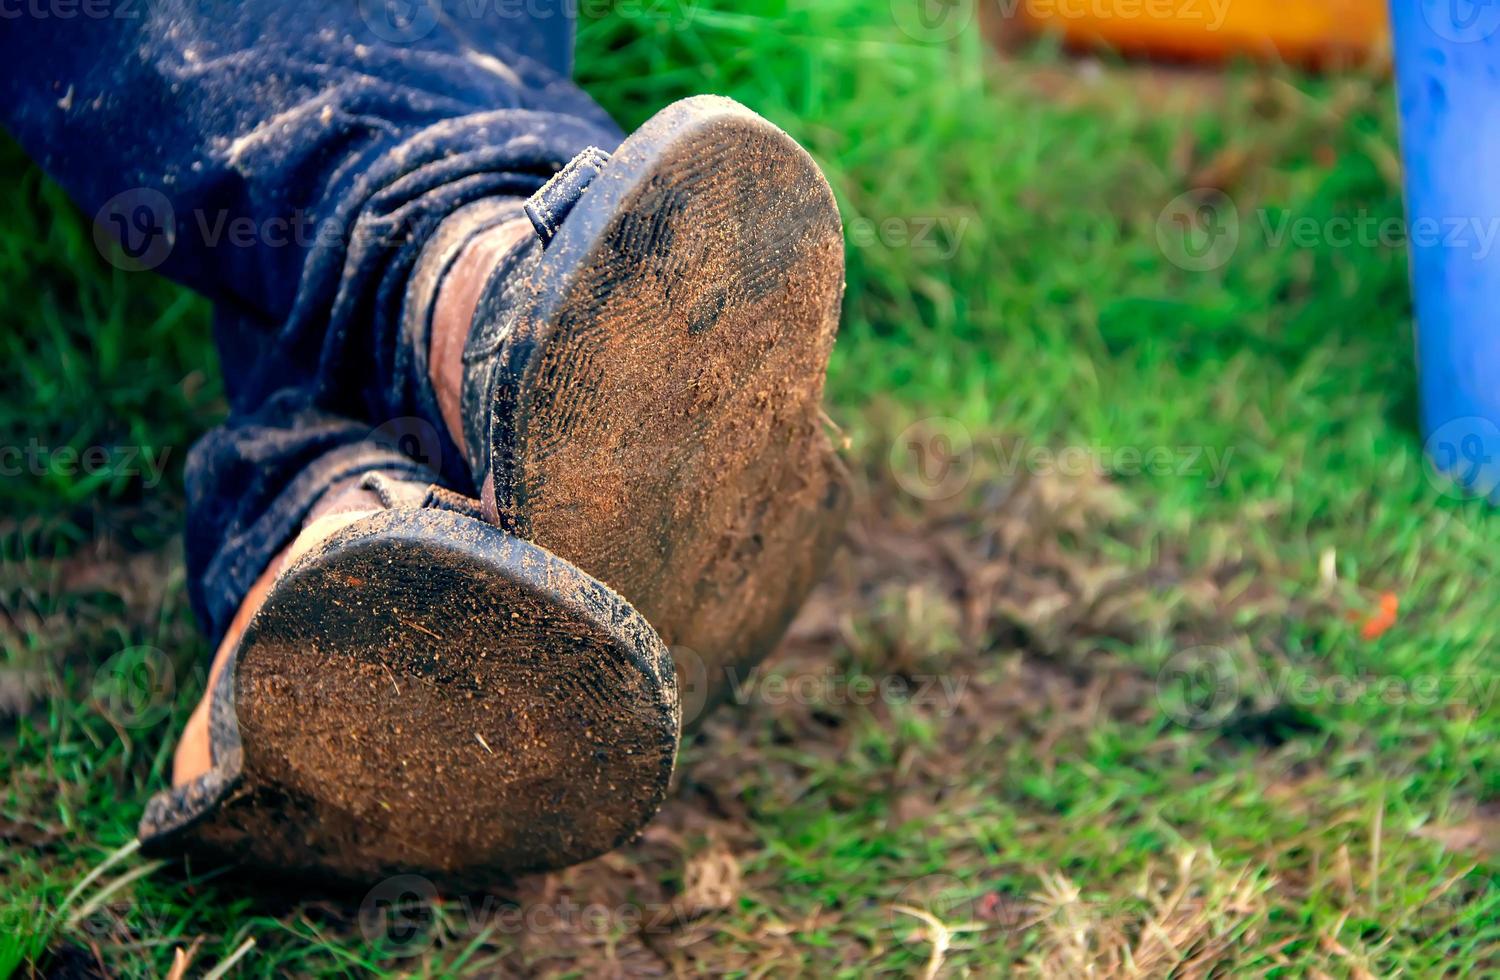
x=1172, y=738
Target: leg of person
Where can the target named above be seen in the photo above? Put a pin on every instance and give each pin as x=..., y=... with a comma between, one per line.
x=389, y=148
x=693, y=287
x=291, y=160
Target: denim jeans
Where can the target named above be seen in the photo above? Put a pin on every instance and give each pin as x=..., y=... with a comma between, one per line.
x=290, y=161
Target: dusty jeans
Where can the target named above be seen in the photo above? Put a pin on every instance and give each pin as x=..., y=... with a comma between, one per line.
x=290, y=161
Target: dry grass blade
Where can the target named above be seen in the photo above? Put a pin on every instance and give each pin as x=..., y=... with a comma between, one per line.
x=229, y=962
x=182, y=959
x=938, y=935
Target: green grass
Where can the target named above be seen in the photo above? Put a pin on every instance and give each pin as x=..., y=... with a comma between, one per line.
x=1336, y=813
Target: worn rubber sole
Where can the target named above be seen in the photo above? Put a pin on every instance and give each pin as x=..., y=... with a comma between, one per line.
x=425, y=694
x=657, y=414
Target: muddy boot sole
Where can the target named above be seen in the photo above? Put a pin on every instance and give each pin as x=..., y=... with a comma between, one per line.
x=656, y=417
x=424, y=694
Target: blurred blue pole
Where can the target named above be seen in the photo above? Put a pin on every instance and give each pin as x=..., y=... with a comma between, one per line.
x=1448, y=84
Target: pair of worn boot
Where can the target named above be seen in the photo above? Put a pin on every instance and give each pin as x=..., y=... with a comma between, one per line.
x=475, y=689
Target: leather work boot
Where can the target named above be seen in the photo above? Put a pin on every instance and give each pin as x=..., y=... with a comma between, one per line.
x=633, y=364
x=410, y=689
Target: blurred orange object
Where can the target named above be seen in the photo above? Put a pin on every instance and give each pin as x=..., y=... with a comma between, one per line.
x=1380, y=622
x=1304, y=31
